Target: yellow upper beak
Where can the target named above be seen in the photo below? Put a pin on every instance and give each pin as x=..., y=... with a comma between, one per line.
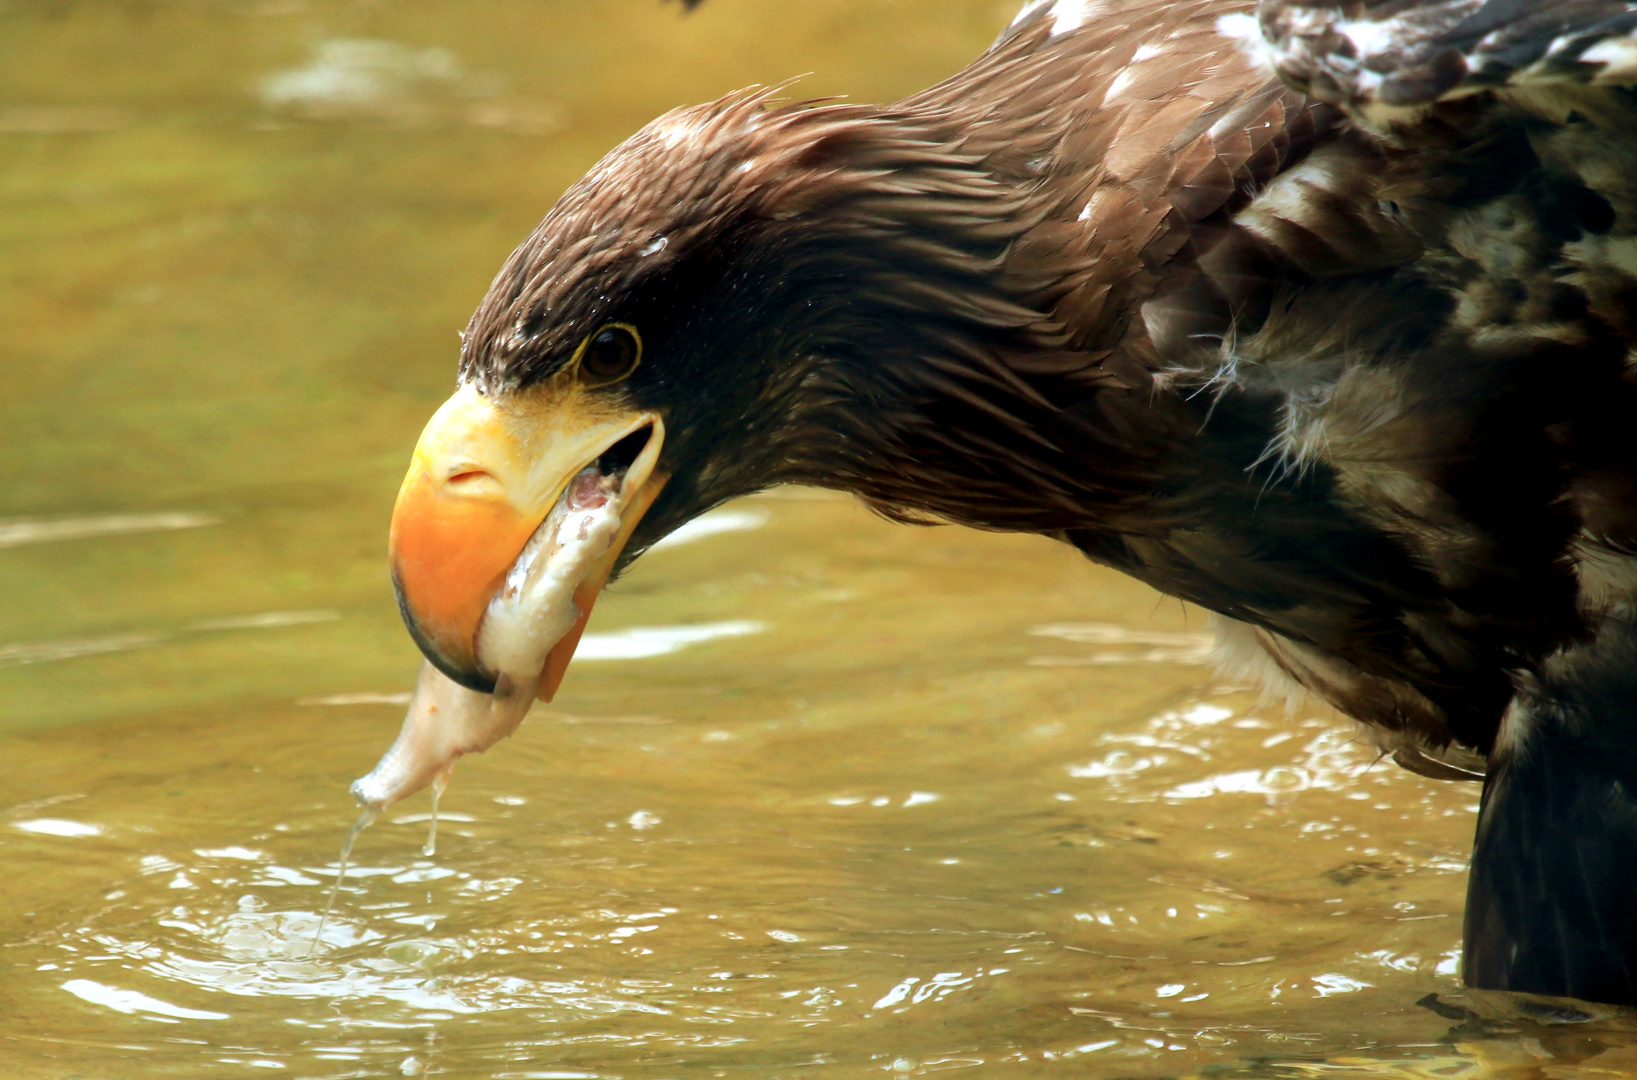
x=484, y=475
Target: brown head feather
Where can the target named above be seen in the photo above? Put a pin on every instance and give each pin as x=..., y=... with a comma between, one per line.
x=984, y=244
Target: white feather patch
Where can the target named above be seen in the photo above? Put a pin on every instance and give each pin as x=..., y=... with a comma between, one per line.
x=1618, y=55
x=1244, y=31
x=1029, y=8
x=1369, y=36
x=1068, y=15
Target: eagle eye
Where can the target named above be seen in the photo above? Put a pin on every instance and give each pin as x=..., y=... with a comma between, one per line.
x=611, y=352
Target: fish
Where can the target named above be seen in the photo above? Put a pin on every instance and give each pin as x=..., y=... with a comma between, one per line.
x=533, y=609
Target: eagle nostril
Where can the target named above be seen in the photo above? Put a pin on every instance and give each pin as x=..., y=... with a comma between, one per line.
x=475, y=482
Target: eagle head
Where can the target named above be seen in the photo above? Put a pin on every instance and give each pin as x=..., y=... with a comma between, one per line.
x=738, y=296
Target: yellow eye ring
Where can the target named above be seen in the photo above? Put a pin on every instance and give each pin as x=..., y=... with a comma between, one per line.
x=608, y=354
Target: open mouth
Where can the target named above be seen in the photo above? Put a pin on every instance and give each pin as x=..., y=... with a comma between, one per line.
x=617, y=460
x=595, y=485
x=540, y=600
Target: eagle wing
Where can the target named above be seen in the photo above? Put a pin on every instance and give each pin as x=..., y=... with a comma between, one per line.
x=1383, y=60
x=1381, y=252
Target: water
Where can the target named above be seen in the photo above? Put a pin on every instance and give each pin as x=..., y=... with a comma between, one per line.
x=825, y=797
x=365, y=820
x=439, y=784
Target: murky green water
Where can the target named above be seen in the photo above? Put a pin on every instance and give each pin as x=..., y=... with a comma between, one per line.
x=823, y=797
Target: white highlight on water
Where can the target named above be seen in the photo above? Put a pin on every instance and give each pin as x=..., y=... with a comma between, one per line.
x=713, y=524
x=130, y=1001
x=267, y=620
x=51, y=826
x=26, y=531
x=58, y=827
x=641, y=642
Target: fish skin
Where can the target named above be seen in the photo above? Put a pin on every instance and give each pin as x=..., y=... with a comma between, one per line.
x=528, y=615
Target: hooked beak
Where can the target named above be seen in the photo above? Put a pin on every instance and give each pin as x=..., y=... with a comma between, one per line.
x=483, y=478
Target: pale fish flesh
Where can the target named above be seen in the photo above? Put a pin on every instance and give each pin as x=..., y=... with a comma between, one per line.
x=533, y=609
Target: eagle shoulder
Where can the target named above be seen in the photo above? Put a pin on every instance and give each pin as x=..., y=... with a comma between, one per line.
x=1385, y=61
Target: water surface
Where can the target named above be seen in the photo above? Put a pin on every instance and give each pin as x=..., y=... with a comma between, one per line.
x=824, y=797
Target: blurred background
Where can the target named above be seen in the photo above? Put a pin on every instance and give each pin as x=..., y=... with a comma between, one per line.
x=822, y=796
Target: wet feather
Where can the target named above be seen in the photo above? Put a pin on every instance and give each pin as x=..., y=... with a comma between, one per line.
x=1313, y=312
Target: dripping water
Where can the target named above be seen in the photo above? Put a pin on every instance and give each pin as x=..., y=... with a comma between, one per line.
x=365, y=820
x=439, y=783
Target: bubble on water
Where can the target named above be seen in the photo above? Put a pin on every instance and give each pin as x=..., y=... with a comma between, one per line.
x=414, y=954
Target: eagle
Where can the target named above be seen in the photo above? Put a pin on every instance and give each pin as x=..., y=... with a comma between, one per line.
x=1318, y=314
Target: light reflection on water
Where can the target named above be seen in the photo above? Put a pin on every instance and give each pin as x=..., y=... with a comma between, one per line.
x=1037, y=880
x=840, y=799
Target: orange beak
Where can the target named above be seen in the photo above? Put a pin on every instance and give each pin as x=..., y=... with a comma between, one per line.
x=484, y=475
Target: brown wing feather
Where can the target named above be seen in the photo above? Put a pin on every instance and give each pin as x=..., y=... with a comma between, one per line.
x=1381, y=59
x=1119, y=283
x=1131, y=129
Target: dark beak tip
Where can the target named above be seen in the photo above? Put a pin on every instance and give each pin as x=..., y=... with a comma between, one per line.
x=468, y=675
